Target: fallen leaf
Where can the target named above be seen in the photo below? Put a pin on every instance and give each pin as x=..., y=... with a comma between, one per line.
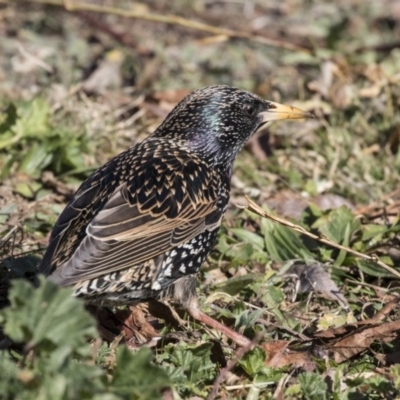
x=278, y=356
x=360, y=341
x=132, y=322
x=349, y=340
x=171, y=96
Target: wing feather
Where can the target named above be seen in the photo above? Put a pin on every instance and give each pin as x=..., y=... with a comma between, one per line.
x=162, y=203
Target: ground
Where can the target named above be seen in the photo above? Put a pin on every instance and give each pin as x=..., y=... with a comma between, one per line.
x=309, y=269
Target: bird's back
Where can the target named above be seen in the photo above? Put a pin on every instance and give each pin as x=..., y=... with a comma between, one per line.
x=134, y=214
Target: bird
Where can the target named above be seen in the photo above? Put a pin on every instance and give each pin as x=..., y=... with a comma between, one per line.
x=140, y=227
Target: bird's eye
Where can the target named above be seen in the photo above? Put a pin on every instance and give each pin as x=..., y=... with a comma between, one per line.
x=250, y=110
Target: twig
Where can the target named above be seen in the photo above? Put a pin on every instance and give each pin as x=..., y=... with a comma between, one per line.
x=249, y=385
x=377, y=203
x=368, y=285
x=384, y=311
x=252, y=206
x=11, y=232
x=175, y=20
x=384, y=47
x=231, y=364
x=33, y=59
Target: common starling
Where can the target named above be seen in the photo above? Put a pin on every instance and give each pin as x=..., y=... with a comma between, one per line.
x=140, y=227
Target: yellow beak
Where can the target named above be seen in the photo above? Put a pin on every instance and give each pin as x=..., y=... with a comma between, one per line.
x=278, y=111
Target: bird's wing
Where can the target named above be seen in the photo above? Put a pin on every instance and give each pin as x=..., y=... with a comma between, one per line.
x=162, y=203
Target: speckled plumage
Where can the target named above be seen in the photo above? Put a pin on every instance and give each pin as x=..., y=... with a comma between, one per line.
x=140, y=226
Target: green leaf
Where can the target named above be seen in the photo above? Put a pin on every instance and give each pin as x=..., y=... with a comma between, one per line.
x=47, y=317
x=373, y=231
x=334, y=225
x=240, y=252
x=342, y=253
x=234, y=285
x=35, y=160
x=249, y=237
x=188, y=365
x=27, y=189
x=10, y=119
x=6, y=211
x=282, y=243
x=247, y=319
x=373, y=269
x=34, y=119
x=273, y=297
x=136, y=377
x=33, y=144
x=313, y=386
x=395, y=373
x=253, y=362
x=9, y=382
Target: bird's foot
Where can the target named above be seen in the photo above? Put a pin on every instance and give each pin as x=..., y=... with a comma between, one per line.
x=129, y=326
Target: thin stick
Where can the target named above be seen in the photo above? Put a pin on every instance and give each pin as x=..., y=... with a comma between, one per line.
x=249, y=385
x=255, y=208
x=174, y=20
x=377, y=203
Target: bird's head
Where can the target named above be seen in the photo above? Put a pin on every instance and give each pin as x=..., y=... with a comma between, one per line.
x=216, y=121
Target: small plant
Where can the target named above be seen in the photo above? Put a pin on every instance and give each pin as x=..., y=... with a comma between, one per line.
x=54, y=360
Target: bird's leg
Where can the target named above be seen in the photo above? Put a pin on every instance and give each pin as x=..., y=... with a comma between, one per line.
x=184, y=290
x=196, y=313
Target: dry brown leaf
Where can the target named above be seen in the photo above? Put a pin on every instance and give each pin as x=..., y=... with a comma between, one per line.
x=135, y=325
x=361, y=340
x=131, y=323
x=349, y=340
x=386, y=200
x=385, y=311
x=349, y=328
x=278, y=356
x=171, y=96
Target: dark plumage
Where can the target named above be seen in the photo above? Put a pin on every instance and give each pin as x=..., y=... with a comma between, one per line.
x=140, y=226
